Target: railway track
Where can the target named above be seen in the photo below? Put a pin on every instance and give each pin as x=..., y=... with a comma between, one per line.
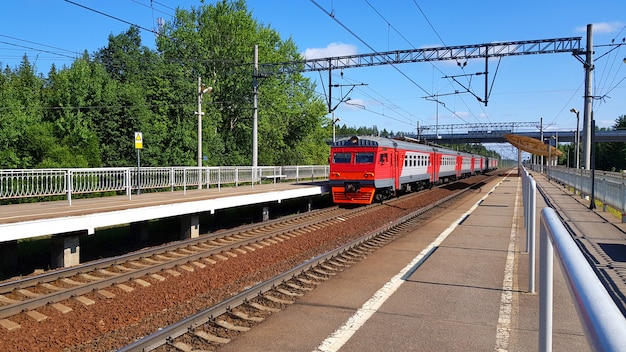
x=26, y=295
x=217, y=325
x=52, y=288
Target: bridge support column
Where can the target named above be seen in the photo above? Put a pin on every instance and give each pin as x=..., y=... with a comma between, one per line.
x=140, y=230
x=190, y=226
x=266, y=213
x=8, y=255
x=65, y=249
x=309, y=204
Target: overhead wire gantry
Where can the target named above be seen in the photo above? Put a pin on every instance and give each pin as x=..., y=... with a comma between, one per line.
x=459, y=52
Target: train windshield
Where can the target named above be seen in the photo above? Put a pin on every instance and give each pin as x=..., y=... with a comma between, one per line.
x=364, y=158
x=342, y=158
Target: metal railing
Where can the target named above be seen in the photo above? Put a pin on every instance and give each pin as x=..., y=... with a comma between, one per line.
x=45, y=183
x=602, y=321
x=529, y=195
x=607, y=187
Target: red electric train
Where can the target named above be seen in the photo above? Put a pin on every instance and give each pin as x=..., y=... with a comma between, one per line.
x=366, y=169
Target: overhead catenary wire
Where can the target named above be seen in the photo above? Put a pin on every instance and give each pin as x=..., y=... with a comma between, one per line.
x=413, y=46
x=113, y=17
x=334, y=17
x=39, y=50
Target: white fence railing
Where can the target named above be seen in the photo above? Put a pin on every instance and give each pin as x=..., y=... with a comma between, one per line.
x=607, y=187
x=41, y=183
x=601, y=319
x=603, y=322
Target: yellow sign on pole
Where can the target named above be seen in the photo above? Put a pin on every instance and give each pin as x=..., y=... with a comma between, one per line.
x=138, y=140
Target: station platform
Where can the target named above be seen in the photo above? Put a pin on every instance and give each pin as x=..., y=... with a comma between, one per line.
x=67, y=223
x=459, y=283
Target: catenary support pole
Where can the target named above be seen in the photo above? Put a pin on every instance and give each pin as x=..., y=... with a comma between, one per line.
x=588, y=97
x=255, y=110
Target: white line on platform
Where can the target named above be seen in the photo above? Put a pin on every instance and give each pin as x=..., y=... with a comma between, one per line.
x=506, y=299
x=339, y=338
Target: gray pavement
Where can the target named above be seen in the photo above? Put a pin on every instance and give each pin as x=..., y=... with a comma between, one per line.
x=458, y=283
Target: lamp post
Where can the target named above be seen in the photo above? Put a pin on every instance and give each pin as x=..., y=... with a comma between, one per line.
x=577, y=136
x=335, y=120
x=201, y=90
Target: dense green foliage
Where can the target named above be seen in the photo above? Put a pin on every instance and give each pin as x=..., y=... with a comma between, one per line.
x=85, y=115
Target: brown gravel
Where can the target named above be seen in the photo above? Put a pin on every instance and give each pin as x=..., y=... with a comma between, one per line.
x=113, y=323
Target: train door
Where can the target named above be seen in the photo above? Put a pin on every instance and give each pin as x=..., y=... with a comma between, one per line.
x=395, y=168
x=434, y=165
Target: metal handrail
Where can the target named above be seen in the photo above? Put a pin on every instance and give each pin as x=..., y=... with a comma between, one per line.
x=608, y=187
x=603, y=322
x=46, y=183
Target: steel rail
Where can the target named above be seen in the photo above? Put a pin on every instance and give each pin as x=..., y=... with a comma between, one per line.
x=36, y=302
x=107, y=262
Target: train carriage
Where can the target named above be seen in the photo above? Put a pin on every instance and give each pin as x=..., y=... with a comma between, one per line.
x=368, y=169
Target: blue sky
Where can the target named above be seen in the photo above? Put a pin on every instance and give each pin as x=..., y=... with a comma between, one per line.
x=526, y=88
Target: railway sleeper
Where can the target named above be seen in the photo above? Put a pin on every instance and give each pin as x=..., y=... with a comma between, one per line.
x=298, y=287
x=275, y=299
x=230, y=326
x=211, y=338
x=332, y=267
x=289, y=293
x=307, y=281
x=360, y=251
x=263, y=307
x=371, y=245
x=379, y=242
x=338, y=264
x=244, y=316
x=344, y=260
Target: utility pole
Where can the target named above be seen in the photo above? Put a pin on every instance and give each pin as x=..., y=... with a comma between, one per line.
x=577, y=137
x=255, y=109
x=587, y=125
x=201, y=90
x=541, y=137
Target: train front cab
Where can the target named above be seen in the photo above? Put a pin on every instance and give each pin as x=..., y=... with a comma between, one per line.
x=356, y=171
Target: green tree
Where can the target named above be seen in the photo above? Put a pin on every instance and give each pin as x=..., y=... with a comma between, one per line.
x=216, y=42
x=69, y=115
x=21, y=134
x=611, y=156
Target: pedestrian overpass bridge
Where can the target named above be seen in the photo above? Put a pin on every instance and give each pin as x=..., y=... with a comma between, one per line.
x=497, y=136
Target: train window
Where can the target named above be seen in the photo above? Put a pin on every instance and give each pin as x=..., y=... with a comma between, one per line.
x=364, y=158
x=383, y=158
x=342, y=158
